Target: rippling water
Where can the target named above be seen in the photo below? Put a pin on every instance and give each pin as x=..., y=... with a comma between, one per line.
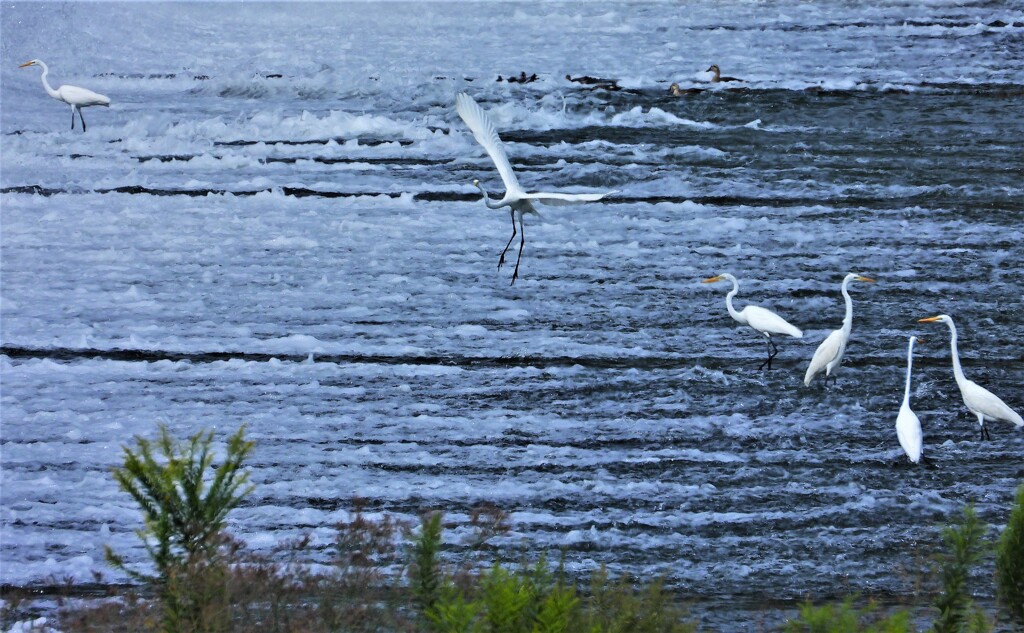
x=305, y=254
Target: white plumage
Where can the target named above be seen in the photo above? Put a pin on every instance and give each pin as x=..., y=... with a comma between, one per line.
x=908, y=426
x=979, y=400
x=74, y=96
x=829, y=354
x=520, y=202
x=764, y=321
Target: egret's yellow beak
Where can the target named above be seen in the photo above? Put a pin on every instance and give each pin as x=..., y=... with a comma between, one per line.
x=929, y=320
x=26, y=64
x=920, y=340
x=712, y=279
x=867, y=279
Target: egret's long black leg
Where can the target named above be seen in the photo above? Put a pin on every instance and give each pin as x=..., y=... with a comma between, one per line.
x=522, y=242
x=773, y=351
x=72, y=119
x=767, y=361
x=984, y=430
x=501, y=260
x=80, y=117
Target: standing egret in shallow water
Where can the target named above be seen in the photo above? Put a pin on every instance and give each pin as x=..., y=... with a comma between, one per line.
x=829, y=354
x=981, y=402
x=74, y=96
x=908, y=426
x=519, y=201
x=763, y=320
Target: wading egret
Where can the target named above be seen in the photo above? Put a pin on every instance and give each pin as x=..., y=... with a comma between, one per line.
x=829, y=354
x=761, y=319
x=980, y=401
x=519, y=201
x=718, y=75
x=74, y=96
x=908, y=426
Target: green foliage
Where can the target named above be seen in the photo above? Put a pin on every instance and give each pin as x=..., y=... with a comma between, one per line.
x=556, y=610
x=530, y=599
x=965, y=548
x=425, y=569
x=618, y=607
x=1010, y=561
x=846, y=618
x=185, y=502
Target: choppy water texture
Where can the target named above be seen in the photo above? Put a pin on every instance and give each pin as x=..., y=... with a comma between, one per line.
x=274, y=225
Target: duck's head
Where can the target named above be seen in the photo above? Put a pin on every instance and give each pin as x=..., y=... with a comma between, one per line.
x=713, y=68
x=674, y=88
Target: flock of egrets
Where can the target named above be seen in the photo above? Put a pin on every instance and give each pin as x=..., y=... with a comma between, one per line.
x=829, y=354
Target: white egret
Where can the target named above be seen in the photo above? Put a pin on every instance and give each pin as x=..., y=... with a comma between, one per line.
x=761, y=319
x=908, y=426
x=519, y=201
x=980, y=401
x=74, y=96
x=829, y=354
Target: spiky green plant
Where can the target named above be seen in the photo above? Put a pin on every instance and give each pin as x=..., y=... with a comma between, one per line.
x=847, y=618
x=425, y=571
x=1010, y=561
x=620, y=607
x=965, y=548
x=185, y=501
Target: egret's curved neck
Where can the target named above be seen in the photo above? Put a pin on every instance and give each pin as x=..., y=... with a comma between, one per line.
x=487, y=199
x=728, y=301
x=46, y=84
x=848, y=319
x=958, y=371
x=910, y=364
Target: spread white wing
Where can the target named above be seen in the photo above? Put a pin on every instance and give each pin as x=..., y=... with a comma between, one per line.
x=485, y=134
x=562, y=199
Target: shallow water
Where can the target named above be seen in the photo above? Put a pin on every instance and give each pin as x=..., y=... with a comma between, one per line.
x=305, y=254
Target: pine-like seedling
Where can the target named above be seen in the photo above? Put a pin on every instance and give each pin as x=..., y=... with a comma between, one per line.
x=1010, y=561
x=185, y=501
x=966, y=546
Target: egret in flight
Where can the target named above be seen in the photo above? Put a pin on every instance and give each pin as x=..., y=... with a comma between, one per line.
x=829, y=354
x=979, y=400
x=74, y=96
x=908, y=426
x=519, y=201
x=763, y=320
